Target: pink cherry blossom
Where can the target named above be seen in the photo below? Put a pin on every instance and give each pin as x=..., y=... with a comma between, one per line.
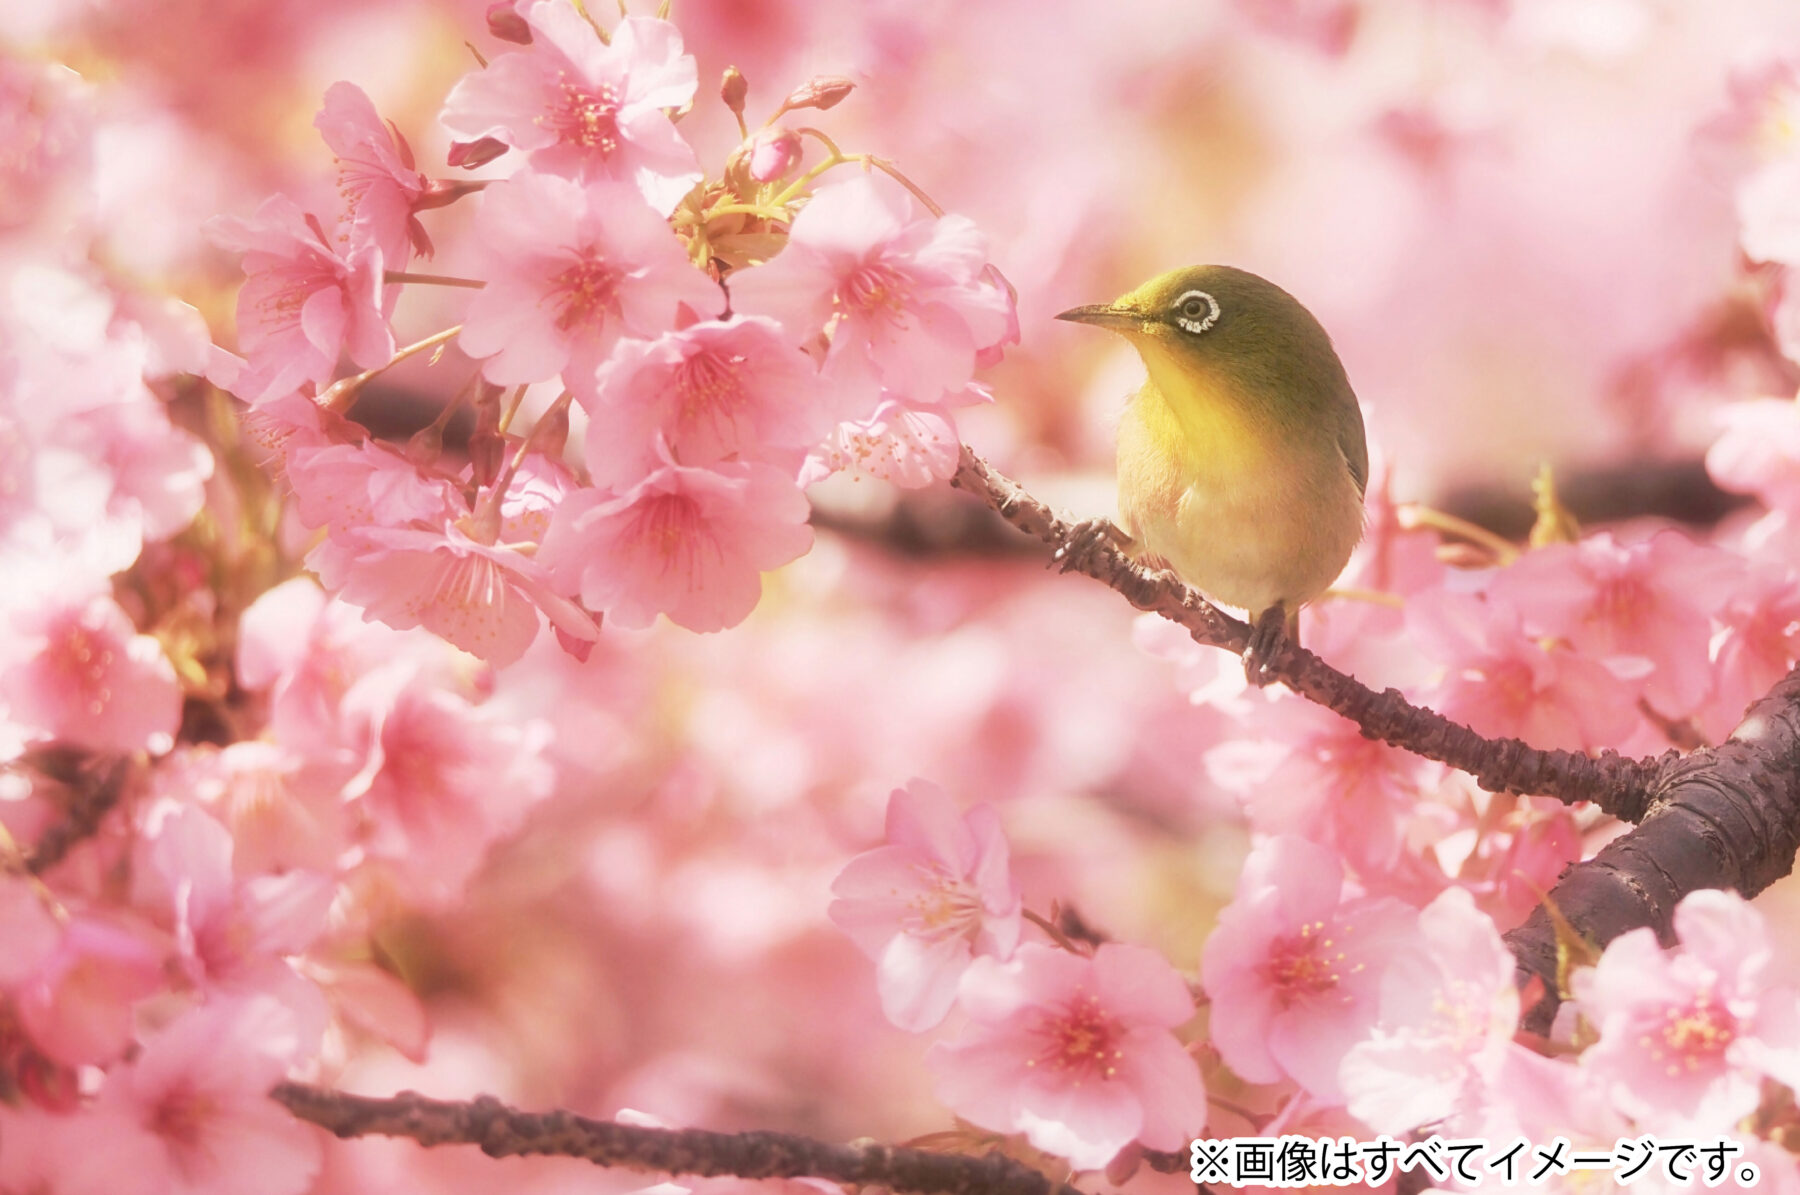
x=306, y=652
x=1294, y=968
x=442, y=780
x=284, y=808
x=908, y=301
x=302, y=303
x=689, y=543
x=911, y=445
x=587, y=109
x=1076, y=1053
x=74, y=668
x=1758, y=643
x=1686, y=1037
x=1758, y=452
x=570, y=269
x=376, y=177
x=1449, y=1008
x=87, y=451
x=200, y=1087
x=1298, y=768
x=923, y=905
x=713, y=391
x=87, y=1152
x=234, y=934
x=30, y=933
x=1653, y=600
x=1501, y=681
x=76, y=1006
x=411, y=551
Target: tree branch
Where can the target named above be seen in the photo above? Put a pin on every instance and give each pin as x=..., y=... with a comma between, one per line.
x=1719, y=817
x=1613, y=782
x=501, y=1132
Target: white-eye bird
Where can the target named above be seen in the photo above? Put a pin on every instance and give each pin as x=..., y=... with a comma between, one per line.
x=1242, y=461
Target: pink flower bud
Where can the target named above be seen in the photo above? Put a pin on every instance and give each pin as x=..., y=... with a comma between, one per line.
x=471, y=154
x=774, y=152
x=820, y=91
x=505, y=23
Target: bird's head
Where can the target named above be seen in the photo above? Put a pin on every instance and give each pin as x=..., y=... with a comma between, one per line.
x=1217, y=320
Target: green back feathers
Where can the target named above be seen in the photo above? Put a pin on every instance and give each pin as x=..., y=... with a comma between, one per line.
x=1239, y=336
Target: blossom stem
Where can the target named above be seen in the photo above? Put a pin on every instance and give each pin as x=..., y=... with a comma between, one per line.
x=512, y=408
x=1413, y=515
x=1056, y=935
x=340, y=394
x=893, y=172
x=433, y=279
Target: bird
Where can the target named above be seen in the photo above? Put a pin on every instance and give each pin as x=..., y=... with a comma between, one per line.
x=1242, y=459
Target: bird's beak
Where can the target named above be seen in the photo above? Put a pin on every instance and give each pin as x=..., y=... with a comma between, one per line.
x=1116, y=316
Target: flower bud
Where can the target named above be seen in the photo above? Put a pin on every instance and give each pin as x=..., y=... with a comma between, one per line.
x=505, y=23
x=471, y=154
x=733, y=88
x=820, y=91
x=773, y=153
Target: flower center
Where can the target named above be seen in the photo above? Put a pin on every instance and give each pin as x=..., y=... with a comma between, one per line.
x=708, y=388
x=1621, y=604
x=181, y=1115
x=84, y=661
x=1081, y=1039
x=585, y=293
x=947, y=908
x=1305, y=964
x=875, y=289
x=585, y=116
x=1692, y=1037
x=663, y=530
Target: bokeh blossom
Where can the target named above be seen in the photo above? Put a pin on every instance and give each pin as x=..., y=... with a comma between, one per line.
x=1294, y=969
x=1075, y=1053
x=1686, y=1038
x=926, y=903
x=1449, y=1009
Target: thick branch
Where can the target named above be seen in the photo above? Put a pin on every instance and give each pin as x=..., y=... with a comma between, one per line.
x=1616, y=784
x=1720, y=817
x=501, y=1131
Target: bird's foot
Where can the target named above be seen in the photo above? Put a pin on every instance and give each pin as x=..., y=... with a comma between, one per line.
x=1084, y=539
x=1268, y=635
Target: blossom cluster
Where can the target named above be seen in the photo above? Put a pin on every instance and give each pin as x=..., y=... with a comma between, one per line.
x=726, y=341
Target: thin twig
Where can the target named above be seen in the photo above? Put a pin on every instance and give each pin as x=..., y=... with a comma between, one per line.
x=1613, y=782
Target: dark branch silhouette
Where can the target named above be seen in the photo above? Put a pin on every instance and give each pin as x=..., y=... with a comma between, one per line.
x=502, y=1132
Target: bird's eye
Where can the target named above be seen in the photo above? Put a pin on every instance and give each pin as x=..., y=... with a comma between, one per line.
x=1196, y=311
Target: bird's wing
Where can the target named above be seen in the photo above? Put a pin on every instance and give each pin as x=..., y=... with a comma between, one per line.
x=1354, y=446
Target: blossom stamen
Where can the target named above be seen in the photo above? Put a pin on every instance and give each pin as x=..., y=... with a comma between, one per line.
x=585, y=294
x=585, y=116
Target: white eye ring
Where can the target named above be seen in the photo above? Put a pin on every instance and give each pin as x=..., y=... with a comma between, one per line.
x=1195, y=324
